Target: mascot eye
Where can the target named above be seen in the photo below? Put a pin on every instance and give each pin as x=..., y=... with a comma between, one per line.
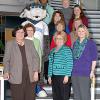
x=36, y=16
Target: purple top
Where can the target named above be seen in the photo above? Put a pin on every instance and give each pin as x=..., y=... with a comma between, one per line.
x=82, y=66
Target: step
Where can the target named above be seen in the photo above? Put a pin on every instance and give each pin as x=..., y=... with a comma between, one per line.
x=94, y=20
x=98, y=41
x=95, y=35
x=57, y=5
x=93, y=25
x=96, y=12
x=93, y=16
x=94, y=29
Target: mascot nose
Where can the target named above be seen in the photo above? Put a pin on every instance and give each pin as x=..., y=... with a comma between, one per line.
x=36, y=16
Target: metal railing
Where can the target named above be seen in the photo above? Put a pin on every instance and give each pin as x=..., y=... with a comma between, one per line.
x=77, y=2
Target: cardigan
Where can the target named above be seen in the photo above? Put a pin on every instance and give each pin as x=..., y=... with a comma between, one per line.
x=82, y=66
x=12, y=61
x=60, y=62
x=37, y=47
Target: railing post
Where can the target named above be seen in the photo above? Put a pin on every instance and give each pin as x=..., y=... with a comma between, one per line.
x=79, y=2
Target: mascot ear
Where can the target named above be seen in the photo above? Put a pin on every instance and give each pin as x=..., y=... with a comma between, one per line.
x=25, y=14
x=44, y=14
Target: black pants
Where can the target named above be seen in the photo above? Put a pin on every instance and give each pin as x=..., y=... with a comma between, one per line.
x=60, y=91
x=24, y=91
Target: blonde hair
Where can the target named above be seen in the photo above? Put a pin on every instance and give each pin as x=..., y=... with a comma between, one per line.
x=85, y=28
x=63, y=34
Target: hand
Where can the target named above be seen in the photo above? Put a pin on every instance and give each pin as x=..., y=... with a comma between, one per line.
x=6, y=76
x=92, y=75
x=35, y=76
x=65, y=80
x=49, y=80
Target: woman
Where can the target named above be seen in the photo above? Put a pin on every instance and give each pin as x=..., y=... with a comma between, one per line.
x=73, y=34
x=78, y=13
x=57, y=16
x=85, y=56
x=21, y=66
x=30, y=30
x=60, y=68
x=67, y=11
x=60, y=27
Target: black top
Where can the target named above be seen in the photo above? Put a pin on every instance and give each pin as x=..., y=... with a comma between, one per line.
x=25, y=71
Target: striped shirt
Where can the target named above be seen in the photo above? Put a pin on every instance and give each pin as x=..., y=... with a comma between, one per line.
x=60, y=62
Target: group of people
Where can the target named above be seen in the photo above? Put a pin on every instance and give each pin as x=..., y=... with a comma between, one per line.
x=72, y=57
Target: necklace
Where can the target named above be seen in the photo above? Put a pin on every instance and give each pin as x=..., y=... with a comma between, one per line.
x=21, y=43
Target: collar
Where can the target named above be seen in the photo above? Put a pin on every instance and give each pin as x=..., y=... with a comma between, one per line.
x=30, y=38
x=33, y=21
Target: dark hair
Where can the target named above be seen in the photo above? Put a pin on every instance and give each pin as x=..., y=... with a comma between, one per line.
x=61, y=14
x=81, y=14
x=16, y=29
x=29, y=25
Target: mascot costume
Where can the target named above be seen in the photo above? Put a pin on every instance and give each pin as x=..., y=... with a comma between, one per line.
x=35, y=14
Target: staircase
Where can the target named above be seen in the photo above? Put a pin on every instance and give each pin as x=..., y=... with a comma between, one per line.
x=57, y=4
x=94, y=29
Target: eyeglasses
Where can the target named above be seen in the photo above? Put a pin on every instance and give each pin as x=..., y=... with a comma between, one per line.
x=29, y=30
x=20, y=32
x=59, y=39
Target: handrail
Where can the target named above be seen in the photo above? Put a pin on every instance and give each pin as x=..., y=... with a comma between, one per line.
x=78, y=2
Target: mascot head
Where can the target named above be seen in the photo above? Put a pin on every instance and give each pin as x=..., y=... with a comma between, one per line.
x=34, y=12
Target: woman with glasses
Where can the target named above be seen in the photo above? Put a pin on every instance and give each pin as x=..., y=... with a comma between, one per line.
x=60, y=66
x=21, y=66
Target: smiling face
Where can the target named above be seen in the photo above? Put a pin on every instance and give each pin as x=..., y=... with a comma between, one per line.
x=59, y=27
x=57, y=17
x=77, y=11
x=59, y=40
x=65, y=3
x=30, y=31
x=77, y=23
x=81, y=33
x=20, y=34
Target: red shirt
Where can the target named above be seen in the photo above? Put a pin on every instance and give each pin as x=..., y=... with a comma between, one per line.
x=68, y=42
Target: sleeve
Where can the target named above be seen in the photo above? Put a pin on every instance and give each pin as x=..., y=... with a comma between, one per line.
x=35, y=57
x=50, y=11
x=68, y=42
x=45, y=29
x=6, y=59
x=70, y=25
x=52, y=45
x=85, y=21
x=93, y=51
x=69, y=62
x=40, y=54
x=50, y=67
